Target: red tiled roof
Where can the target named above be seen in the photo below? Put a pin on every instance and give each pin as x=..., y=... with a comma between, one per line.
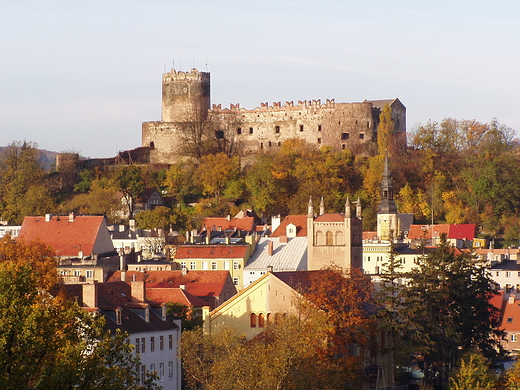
x=216, y=223
x=211, y=252
x=337, y=217
x=462, y=231
x=369, y=235
x=198, y=283
x=511, y=317
x=177, y=295
x=65, y=237
x=300, y=221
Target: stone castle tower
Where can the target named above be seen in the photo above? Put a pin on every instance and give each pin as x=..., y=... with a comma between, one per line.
x=185, y=96
x=186, y=99
x=334, y=238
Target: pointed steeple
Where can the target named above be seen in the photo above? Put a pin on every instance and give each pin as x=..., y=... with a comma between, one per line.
x=347, y=208
x=322, y=206
x=387, y=203
x=358, y=208
x=310, y=212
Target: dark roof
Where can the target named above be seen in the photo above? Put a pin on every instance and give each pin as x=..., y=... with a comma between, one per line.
x=509, y=265
x=118, y=295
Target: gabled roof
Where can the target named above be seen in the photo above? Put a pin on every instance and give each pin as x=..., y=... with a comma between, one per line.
x=221, y=223
x=300, y=221
x=462, y=231
x=198, y=283
x=290, y=255
x=68, y=235
x=177, y=295
x=337, y=217
x=203, y=251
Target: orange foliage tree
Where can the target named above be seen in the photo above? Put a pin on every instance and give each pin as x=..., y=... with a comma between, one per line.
x=37, y=255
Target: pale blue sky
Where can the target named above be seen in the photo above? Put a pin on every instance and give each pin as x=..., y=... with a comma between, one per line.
x=84, y=75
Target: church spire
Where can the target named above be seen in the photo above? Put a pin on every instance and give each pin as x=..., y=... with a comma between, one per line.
x=310, y=212
x=358, y=208
x=386, y=202
x=347, y=208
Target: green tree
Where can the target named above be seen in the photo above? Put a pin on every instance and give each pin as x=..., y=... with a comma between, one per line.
x=48, y=342
x=446, y=307
x=158, y=218
x=474, y=373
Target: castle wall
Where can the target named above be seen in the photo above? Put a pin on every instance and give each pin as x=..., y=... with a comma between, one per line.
x=186, y=98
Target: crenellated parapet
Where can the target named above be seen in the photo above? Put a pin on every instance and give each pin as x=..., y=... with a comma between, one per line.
x=277, y=106
x=177, y=75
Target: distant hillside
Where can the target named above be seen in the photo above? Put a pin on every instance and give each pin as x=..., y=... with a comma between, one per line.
x=47, y=157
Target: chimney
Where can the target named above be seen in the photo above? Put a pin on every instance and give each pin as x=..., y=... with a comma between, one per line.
x=182, y=287
x=89, y=292
x=270, y=248
x=207, y=238
x=131, y=224
x=228, y=217
x=80, y=254
x=48, y=217
x=138, y=290
x=228, y=240
x=123, y=275
x=71, y=217
x=270, y=268
x=512, y=299
x=184, y=271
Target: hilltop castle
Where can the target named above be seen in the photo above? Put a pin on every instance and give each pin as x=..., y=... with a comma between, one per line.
x=186, y=99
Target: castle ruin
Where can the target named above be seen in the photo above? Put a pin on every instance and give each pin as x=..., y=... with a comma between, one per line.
x=186, y=99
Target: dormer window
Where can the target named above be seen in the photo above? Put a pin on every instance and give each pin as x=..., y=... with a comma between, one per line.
x=163, y=314
x=147, y=314
x=118, y=316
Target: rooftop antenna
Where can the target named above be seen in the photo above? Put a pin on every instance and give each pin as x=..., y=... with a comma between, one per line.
x=206, y=64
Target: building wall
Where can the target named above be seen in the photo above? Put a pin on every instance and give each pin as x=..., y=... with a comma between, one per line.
x=164, y=361
x=268, y=297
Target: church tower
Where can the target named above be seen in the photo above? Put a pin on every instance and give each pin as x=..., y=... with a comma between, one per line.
x=334, y=238
x=387, y=220
x=185, y=96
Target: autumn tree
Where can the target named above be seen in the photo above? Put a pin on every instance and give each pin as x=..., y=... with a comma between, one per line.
x=158, y=218
x=474, y=373
x=49, y=342
x=21, y=172
x=130, y=181
x=385, y=130
x=214, y=173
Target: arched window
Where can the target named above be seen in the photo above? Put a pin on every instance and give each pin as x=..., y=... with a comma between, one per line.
x=320, y=238
x=253, y=320
x=339, y=238
x=330, y=240
x=268, y=318
x=261, y=320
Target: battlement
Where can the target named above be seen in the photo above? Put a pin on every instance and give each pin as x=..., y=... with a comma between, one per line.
x=276, y=106
x=192, y=75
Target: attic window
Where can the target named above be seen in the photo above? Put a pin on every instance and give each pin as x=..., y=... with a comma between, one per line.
x=118, y=316
x=510, y=319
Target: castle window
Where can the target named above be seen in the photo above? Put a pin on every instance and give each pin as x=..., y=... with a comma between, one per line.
x=301, y=127
x=279, y=144
x=269, y=144
x=277, y=129
x=219, y=134
x=152, y=145
x=319, y=141
x=356, y=121
x=345, y=135
x=361, y=135
x=250, y=130
x=368, y=125
x=342, y=146
x=261, y=145
x=319, y=127
x=239, y=130
x=253, y=320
